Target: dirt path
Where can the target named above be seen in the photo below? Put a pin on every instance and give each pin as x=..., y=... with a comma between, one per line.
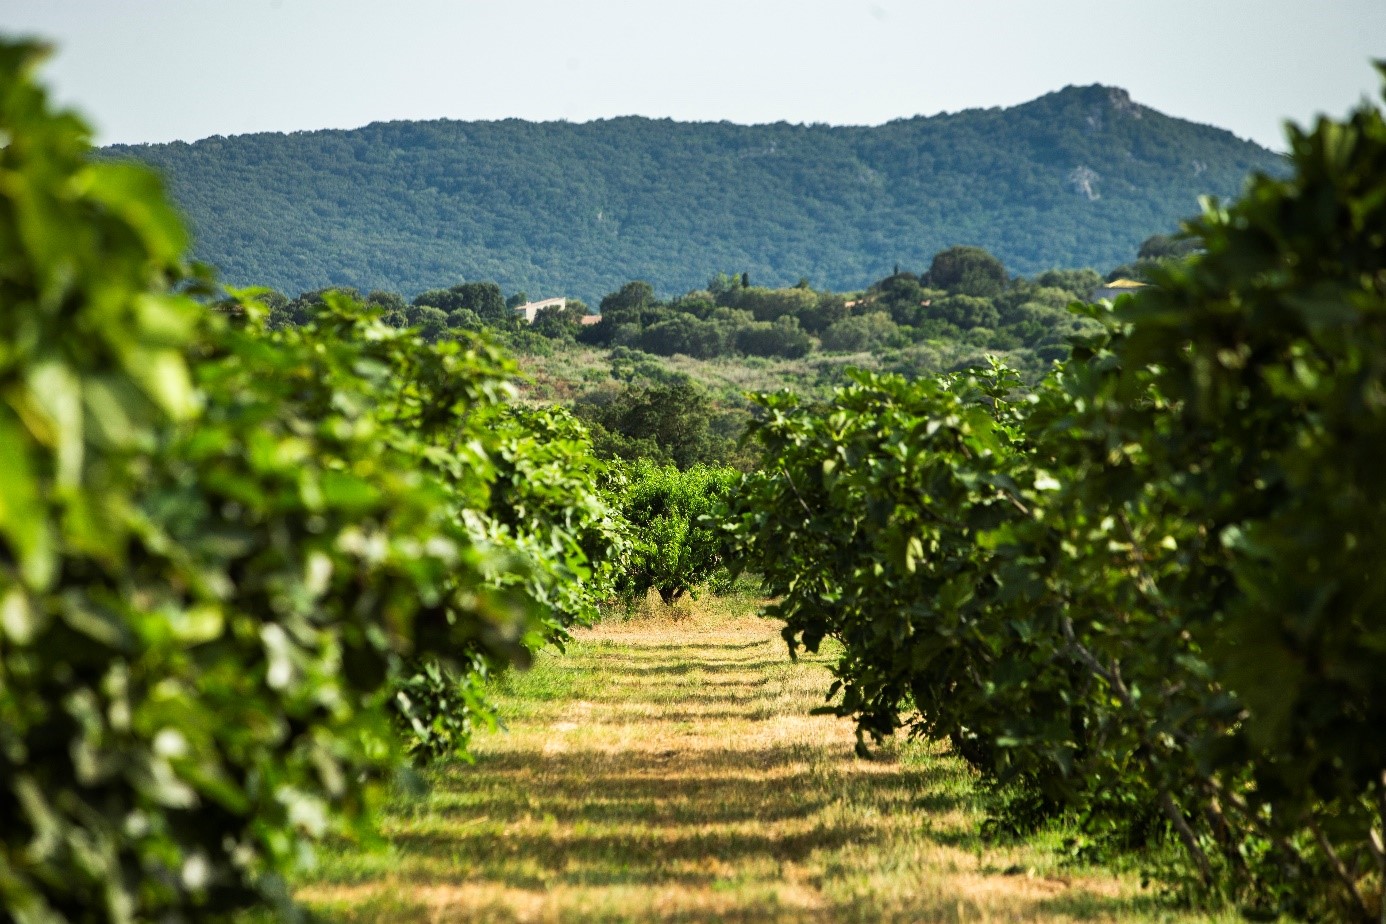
x=670, y=770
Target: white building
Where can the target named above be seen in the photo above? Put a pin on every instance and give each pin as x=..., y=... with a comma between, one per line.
x=531, y=310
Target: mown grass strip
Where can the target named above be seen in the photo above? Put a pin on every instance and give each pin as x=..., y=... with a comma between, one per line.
x=669, y=769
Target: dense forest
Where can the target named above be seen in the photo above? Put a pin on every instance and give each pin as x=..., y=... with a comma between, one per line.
x=1076, y=178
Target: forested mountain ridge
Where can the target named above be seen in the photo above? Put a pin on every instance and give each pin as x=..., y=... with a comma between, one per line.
x=1075, y=178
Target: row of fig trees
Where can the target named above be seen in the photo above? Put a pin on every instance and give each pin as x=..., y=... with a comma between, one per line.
x=243, y=571
x=250, y=571
x=1149, y=592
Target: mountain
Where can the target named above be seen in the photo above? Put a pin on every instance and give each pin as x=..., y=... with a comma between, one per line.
x=1075, y=178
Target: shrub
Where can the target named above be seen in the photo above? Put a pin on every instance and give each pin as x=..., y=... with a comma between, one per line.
x=219, y=544
x=676, y=520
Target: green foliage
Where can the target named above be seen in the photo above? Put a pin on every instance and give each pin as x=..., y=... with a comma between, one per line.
x=1023, y=317
x=870, y=331
x=782, y=337
x=770, y=304
x=545, y=505
x=576, y=208
x=676, y=522
x=627, y=300
x=859, y=521
x=560, y=323
x=1148, y=592
x=1270, y=348
x=668, y=421
x=484, y=299
x=221, y=545
x=967, y=271
x=687, y=334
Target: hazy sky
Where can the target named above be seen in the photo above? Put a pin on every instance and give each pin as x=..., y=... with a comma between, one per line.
x=157, y=70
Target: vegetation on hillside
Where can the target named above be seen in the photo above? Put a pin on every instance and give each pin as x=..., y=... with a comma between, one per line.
x=1076, y=178
x=962, y=306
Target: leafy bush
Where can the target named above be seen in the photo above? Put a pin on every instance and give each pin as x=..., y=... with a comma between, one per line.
x=669, y=421
x=219, y=544
x=860, y=521
x=675, y=519
x=1148, y=591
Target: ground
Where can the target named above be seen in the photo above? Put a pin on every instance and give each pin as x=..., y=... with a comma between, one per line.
x=667, y=768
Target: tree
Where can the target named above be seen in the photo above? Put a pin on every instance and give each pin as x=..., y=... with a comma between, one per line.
x=628, y=299
x=443, y=299
x=300, y=309
x=831, y=307
x=560, y=323
x=860, y=332
x=220, y=543
x=668, y=421
x=965, y=311
x=387, y=302
x=967, y=271
x=1148, y=591
x=782, y=337
x=675, y=518
x=432, y=322
x=1268, y=347
x=1167, y=247
x=769, y=304
x=623, y=314
x=1079, y=283
x=722, y=285
x=686, y=334
x=483, y=298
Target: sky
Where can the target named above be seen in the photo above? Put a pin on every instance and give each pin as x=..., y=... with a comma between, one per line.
x=163, y=70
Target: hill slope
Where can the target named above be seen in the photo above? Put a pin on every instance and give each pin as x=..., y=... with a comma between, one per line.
x=1075, y=178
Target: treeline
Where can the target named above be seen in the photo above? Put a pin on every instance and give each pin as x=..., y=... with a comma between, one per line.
x=964, y=305
x=965, y=296
x=1146, y=593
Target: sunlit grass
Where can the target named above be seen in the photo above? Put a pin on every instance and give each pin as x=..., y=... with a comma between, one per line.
x=668, y=768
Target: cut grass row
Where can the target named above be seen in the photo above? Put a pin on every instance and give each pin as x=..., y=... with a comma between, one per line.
x=670, y=769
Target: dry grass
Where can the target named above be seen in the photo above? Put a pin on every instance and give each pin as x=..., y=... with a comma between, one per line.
x=667, y=768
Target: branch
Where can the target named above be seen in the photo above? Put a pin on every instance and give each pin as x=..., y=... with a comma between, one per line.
x=1171, y=809
x=1339, y=869
x=1186, y=834
x=793, y=487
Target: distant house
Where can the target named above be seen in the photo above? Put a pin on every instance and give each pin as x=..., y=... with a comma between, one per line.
x=587, y=320
x=1117, y=287
x=531, y=310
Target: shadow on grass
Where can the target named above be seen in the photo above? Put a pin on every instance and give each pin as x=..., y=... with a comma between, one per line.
x=665, y=649
x=580, y=764
x=674, y=854
x=666, y=668
x=393, y=909
x=635, y=817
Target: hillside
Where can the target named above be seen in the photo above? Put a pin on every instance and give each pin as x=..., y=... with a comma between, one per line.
x=1076, y=178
